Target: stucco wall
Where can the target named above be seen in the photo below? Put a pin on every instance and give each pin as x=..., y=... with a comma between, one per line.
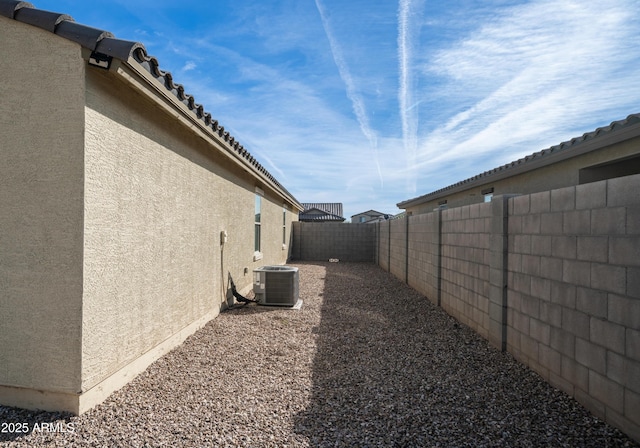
x=41, y=188
x=156, y=199
x=112, y=207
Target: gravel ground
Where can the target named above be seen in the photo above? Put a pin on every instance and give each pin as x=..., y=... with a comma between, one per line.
x=366, y=362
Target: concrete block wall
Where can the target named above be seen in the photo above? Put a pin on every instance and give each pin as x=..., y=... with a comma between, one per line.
x=552, y=277
x=465, y=262
x=398, y=248
x=382, y=245
x=424, y=255
x=315, y=241
x=574, y=295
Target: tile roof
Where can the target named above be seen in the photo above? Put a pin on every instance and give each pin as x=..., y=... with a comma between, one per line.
x=571, y=148
x=104, y=43
x=334, y=208
x=332, y=211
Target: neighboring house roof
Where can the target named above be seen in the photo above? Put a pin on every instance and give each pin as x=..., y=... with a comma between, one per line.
x=616, y=132
x=104, y=47
x=328, y=211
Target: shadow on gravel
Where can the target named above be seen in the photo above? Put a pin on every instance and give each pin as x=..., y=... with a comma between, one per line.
x=391, y=370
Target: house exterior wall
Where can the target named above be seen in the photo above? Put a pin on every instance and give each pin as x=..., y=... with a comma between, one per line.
x=550, y=277
x=558, y=175
x=112, y=208
x=156, y=199
x=41, y=218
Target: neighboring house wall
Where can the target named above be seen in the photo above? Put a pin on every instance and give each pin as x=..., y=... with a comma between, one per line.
x=561, y=174
x=550, y=277
x=369, y=216
x=110, y=230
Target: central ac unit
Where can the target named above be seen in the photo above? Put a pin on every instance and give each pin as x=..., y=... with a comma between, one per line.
x=276, y=285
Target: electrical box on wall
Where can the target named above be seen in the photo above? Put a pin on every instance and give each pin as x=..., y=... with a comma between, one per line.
x=223, y=237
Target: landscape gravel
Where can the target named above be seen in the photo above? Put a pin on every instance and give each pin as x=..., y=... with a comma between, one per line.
x=365, y=362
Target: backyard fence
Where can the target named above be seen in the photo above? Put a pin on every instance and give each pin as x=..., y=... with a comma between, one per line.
x=552, y=277
x=315, y=241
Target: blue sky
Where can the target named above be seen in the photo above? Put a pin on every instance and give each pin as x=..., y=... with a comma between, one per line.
x=371, y=103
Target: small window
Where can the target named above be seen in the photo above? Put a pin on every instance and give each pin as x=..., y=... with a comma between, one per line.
x=284, y=226
x=609, y=170
x=488, y=194
x=257, y=223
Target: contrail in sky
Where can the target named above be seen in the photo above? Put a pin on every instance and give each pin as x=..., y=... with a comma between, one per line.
x=408, y=111
x=352, y=93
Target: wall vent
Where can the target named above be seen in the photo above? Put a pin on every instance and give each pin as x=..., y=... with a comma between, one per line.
x=276, y=285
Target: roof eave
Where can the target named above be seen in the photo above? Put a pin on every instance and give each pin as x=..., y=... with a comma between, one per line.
x=101, y=48
x=137, y=76
x=549, y=156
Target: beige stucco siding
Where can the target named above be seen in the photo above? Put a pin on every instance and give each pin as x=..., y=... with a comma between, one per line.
x=113, y=199
x=156, y=199
x=41, y=205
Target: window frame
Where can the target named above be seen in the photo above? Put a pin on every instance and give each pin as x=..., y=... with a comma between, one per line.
x=257, y=224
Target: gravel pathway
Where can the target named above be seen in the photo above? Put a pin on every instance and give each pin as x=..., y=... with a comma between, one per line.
x=366, y=362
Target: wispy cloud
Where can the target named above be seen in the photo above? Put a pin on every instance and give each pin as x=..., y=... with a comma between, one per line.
x=352, y=92
x=301, y=140
x=529, y=76
x=435, y=93
x=190, y=65
x=408, y=32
